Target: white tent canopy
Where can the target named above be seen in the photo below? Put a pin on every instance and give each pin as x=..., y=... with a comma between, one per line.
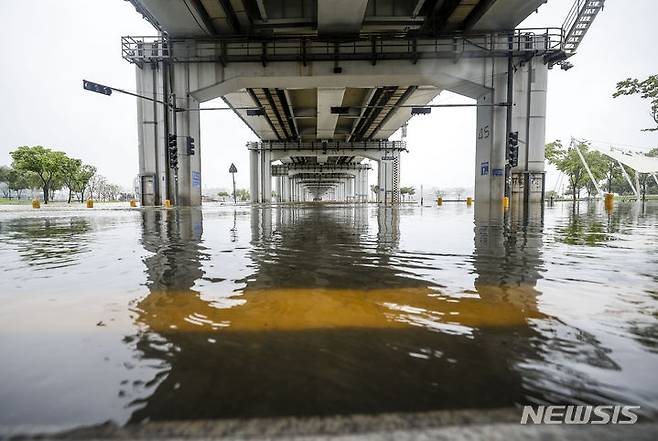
x=637, y=161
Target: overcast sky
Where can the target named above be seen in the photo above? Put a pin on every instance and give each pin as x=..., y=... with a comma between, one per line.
x=49, y=46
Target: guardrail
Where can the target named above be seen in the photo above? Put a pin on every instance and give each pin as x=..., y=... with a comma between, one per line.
x=373, y=48
x=328, y=146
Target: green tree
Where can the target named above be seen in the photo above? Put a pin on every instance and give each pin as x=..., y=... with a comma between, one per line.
x=19, y=181
x=375, y=190
x=70, y=169
x=647, y=183
x=598, y=165
x=647, y=89
x=407, y=191
x=82, y=178
x=568, y=162
x=403, y=192
x=242, y=194
x=4, y=179
x=46, y=164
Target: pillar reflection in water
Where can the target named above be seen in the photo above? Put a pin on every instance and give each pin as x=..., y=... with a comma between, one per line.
x=335, y=319
x=508, y=259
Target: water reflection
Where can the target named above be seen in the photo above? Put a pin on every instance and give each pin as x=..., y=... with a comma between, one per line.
x=314, y=311
x=329, y=322
x=50, y=242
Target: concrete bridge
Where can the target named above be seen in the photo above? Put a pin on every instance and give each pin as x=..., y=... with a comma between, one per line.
x=325, y=83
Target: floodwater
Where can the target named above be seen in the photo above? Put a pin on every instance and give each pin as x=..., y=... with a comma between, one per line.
x=133, y=315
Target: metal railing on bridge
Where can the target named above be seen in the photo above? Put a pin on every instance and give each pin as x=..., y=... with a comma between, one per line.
x=329, y=146
x=373, y=48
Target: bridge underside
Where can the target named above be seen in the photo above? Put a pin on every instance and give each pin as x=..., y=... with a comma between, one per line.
x=329, y=18
x=324, y=84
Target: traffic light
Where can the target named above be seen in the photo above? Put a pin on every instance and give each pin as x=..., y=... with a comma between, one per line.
x=95, y=87
x=189, y=142
x=513, y=149
x=172, y=144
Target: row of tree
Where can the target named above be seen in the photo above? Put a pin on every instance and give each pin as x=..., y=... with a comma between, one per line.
x=241, y=194
x=49, y=170
x=606, y=172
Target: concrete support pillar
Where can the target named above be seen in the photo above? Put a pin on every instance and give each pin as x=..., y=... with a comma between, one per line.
x=285, y=189
x=266, y=176
x=152, y=136
x=254, y=176
x=260, y=175
x=278, y=188
x=491, y=140
x=185, y=79
x=529, y=119
x=364, y=189
x=389, y=179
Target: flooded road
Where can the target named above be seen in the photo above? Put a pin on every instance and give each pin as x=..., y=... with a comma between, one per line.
x=128, y=316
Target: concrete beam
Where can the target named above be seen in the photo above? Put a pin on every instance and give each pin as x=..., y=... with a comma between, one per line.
x=468, y=77
x=399, y=116
x=340, y=16
x=177, y=18
x=326, y=121
x=504, y=14
x=259, y=125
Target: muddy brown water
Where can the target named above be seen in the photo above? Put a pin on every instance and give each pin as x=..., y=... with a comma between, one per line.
x=145, y=315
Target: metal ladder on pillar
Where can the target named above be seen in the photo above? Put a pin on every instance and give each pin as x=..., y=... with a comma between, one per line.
x=578, y=22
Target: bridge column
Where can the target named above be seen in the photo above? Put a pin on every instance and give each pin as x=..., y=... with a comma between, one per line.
x=185, y=79
x=266, y=176
x=285, y=189
x=491, y=141
x=279, y=187
x=389, y=179
x=260, y=174
x=529, y=119
x=364, y=190
x=152, y=137
x=254, y=175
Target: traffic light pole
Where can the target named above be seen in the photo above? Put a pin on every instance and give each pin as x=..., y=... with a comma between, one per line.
x=175, y=133
x=508, y=117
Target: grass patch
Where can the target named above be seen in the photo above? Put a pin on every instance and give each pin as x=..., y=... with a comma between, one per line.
x=14, y=201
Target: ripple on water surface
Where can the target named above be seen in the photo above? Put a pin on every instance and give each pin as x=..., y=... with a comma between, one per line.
x=184, y=314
